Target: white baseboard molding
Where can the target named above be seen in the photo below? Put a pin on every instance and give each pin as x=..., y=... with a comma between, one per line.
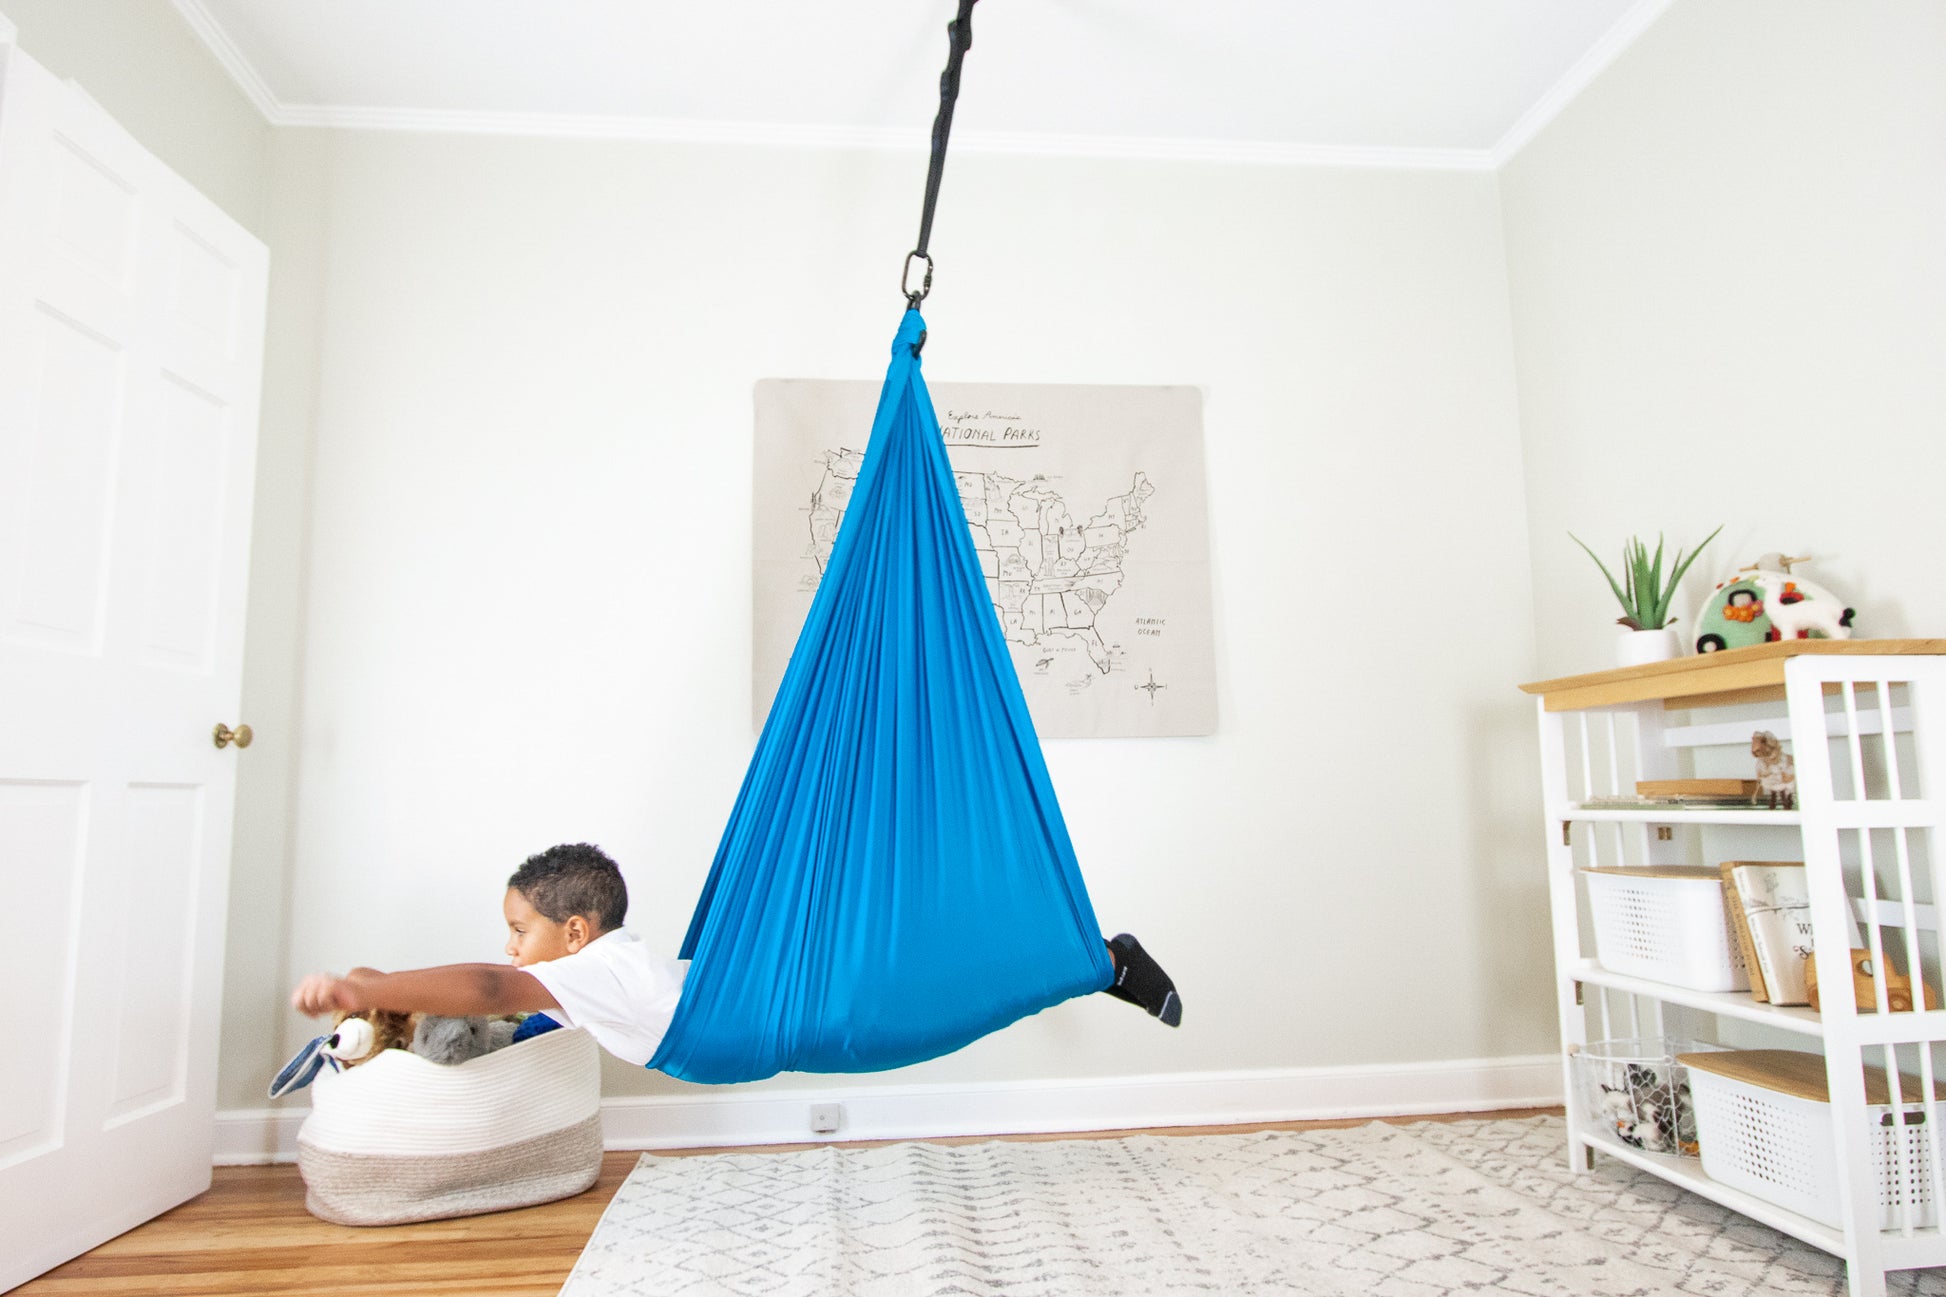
x=1110, y=1103
x=257, y=1136
x=728, y=1117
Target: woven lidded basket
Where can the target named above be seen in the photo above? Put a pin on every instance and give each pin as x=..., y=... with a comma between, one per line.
x=401, y=1139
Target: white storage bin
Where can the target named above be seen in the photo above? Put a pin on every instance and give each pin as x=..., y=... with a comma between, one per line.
x=1668, y=923
x=1764, y=1116
x=1636, y=1093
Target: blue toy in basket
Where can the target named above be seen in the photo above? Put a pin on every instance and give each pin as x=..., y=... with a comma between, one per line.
x=534, y=1024
x=351, y=1041
x=304, y=1067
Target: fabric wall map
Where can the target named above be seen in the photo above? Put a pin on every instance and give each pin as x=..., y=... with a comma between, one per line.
x=1088, y=511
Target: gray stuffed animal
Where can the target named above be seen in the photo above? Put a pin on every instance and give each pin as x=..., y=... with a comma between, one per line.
x=451, y=1040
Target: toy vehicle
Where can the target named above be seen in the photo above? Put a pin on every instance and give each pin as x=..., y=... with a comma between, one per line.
x=1766, y=603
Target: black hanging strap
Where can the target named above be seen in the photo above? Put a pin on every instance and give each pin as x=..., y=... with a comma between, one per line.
x=959, y=35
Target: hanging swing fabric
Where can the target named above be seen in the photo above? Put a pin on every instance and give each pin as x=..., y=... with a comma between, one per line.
x=896, y=879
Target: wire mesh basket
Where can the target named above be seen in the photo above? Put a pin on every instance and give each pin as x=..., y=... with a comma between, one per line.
x=1635, y=1093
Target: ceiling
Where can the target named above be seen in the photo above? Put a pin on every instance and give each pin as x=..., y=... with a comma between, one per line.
x=1396, y=82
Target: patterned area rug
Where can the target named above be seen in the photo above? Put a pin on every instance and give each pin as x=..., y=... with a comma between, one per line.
x=1424, y=1210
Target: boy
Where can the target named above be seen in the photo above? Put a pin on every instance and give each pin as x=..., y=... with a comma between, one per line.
x=573, y=961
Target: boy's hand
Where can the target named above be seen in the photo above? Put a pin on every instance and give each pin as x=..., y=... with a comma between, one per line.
x=324, y=993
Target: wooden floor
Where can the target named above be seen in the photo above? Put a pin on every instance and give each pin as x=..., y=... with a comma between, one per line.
x=249, y=1236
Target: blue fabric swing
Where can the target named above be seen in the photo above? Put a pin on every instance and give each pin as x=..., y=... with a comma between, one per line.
x=896, y=879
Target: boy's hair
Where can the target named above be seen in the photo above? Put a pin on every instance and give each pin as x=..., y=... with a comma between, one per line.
x=574, y=878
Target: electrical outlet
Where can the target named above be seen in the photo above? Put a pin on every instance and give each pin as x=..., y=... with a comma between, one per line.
x=826, y=1118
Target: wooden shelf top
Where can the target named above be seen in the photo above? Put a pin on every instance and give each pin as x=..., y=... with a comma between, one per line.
x=1801, y=1075
x=1721, y=676
x=1691, y=873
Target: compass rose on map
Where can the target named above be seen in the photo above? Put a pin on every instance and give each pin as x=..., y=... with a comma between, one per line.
x=1152, y=688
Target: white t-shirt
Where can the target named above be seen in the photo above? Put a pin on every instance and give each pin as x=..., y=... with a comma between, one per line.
x=620, y=992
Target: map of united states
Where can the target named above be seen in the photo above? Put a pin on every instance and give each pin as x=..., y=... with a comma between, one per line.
x=1049, y=575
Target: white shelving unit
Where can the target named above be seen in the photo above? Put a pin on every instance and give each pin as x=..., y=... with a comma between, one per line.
x=1866, y=723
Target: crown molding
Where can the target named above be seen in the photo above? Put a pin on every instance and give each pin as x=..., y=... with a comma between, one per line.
x=1614, y=42
x=444, y=121
x=784, y=135
x=234, y=62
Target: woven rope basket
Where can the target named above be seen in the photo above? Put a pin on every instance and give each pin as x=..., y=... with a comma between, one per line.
x=402, y=1139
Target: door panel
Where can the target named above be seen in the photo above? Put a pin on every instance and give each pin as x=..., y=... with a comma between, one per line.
x=162, y=848
x=45, y=823
x=207, y=290
x=63, y=499
x=94, y=212
x=182, y=528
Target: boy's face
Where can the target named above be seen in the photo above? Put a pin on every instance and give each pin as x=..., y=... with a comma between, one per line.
x=533, y=938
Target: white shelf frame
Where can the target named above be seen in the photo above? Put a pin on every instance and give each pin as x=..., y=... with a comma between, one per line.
x=1818, y=826
x=1684, y=815
x=1688, y=1172
x=1916, y=1252
x=1729, y=1004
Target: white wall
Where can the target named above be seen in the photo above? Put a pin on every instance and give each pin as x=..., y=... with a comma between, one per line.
x=529, y=610
x=1729, y=293
x=255, y=999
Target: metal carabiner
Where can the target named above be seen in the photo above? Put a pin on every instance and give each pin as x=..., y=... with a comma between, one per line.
x=905, y=279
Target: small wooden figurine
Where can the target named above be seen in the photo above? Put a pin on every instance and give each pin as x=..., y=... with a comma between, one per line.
x=1776, y=771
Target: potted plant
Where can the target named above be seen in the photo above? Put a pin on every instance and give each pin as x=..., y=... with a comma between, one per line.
x=1645, y=596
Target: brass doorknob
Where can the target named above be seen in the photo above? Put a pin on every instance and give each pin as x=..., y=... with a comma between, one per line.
x=240, y=736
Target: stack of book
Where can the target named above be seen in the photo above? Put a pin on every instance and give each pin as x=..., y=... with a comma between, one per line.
x=1679, y=794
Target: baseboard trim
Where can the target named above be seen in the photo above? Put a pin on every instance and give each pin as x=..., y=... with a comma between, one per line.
x=726, y=1118
x=258, y=1136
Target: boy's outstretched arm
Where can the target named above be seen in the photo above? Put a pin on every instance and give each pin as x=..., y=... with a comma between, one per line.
x=452, y=990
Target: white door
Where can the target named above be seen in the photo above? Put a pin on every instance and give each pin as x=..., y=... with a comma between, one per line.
x=131, y=320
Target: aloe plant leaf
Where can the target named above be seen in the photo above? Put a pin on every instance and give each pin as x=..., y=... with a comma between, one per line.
x=1620, y=598
x=1652, y=606
x=1643, y=587
x=1645, y=595
x=1682, y=566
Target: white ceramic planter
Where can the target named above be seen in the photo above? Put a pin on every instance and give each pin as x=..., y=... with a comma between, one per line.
x=1634, y=648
